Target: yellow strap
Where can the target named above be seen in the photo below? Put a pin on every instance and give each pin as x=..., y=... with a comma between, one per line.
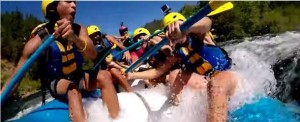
x=204, y=68
x=210, y=35
x=109, y=58
x=215, y=73
x=123, y=71
x=69, y=69
x=194, y=58
x=185, y=51
x=114, y=46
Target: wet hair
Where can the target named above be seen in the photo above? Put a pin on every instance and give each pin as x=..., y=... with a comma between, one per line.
x=51, y=11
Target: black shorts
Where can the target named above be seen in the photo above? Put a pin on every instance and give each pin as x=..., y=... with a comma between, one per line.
x=76, y=78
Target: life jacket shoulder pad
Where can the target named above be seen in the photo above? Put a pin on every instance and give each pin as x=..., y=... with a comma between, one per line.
x=40, y=30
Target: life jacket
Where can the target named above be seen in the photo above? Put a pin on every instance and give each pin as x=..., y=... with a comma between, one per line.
x=62, y=61
x=202, y=58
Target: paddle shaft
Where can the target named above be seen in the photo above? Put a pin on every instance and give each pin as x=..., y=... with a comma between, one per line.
x=129, y=48
x=17, y=77
x=102, y=58
x=137, y=43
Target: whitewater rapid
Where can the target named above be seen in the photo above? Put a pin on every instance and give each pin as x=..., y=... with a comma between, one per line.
x=252, y=61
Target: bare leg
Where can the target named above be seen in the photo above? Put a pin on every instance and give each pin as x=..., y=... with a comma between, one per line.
x=109, y=94
x=75, y=104
x=74, y=98
x=219, y=89
x=118, y=76
x=178, y=79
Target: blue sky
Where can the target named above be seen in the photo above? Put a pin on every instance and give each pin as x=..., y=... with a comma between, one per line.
x=105, y=14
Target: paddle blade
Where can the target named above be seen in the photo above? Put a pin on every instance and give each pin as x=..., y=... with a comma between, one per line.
x=219, y=7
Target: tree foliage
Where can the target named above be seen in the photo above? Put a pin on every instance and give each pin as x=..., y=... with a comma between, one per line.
x=248, y=18
x=152, y=26
x=15, y=30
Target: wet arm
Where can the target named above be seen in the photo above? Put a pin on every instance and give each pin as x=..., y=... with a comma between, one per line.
x=115, y=65
x=114, y=41
x=201, y=27
x=155, y=73
x=155, y=40
x=85, y=44
x=29, y=48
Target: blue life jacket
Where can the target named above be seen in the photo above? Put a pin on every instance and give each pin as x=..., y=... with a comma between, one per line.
x=63, y=61
x=203, y=58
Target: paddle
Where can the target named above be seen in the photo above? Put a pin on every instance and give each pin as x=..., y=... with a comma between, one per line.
x=16, y=78
x=104, y=56
x=214, y=7
x=222, y=8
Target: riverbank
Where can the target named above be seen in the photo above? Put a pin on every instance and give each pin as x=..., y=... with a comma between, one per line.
x=28, y=85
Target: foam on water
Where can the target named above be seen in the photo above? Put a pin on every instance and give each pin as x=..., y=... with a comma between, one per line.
x=271, y=49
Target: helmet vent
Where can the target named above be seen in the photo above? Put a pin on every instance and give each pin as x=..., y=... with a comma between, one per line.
x=174, y=16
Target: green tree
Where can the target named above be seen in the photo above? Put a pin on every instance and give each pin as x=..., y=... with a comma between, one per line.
x=187, y=10
x=249, y=18
x=152, y=26
x=15, y=31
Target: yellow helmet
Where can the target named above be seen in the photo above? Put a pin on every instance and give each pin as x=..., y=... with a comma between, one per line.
x=92, y=29
x=140, y=31
x=171, y=17
x=49, y=6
